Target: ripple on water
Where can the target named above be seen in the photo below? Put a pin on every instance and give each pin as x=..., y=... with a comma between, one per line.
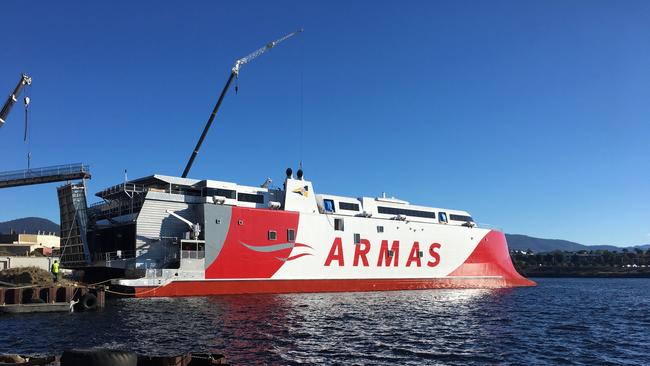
x=562, y=321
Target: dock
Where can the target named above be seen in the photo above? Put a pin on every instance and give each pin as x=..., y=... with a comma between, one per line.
x=29, y=299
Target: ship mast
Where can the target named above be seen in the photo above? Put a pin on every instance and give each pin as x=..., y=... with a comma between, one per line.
x=233, y=74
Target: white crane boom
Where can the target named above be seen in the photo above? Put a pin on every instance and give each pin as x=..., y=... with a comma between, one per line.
x=233, y=74
x=196, y=228
x=246, y=59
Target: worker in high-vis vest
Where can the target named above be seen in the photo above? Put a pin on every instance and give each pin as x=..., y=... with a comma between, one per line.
x=55, y=270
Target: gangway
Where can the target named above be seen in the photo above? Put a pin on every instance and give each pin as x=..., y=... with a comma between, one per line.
x=58, y=173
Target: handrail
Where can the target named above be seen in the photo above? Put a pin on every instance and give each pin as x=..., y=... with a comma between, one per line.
x=192, y=254
x=45, y=171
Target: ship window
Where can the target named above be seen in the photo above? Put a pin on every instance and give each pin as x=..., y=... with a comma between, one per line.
x=291, y=235
x=328, y=205
x=228, y=193
x=405, y=211
x=338, y=224
x=357, y=238
x=442, y=217
x=461, y=218
x=390, y=253
x=272, y=235
x=248, y=197
x=348, y=206
x=380, y=229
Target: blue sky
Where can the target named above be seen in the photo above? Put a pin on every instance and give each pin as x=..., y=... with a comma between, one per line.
x=534, y=116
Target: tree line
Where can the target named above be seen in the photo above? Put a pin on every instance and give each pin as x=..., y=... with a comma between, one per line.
x=594, y=258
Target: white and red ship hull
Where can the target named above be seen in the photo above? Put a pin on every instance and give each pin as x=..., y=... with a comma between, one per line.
x=403, y=255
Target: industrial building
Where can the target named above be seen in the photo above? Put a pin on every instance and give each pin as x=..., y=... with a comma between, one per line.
x=45, y=243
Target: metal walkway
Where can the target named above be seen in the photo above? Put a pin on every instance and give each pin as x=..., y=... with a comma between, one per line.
x=59, y=173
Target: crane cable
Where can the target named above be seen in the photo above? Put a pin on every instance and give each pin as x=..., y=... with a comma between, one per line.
x=26, y=136
x=302, y=63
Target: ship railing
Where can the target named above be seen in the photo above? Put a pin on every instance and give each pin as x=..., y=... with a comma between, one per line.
x=128, y=188
x=192, y=254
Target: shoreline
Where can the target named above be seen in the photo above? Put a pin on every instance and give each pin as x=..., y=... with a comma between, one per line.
x=577, y=272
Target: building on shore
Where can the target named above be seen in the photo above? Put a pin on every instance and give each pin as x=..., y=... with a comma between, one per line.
x=44, y=243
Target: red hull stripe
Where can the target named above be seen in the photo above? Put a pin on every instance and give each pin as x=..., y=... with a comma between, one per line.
x=223, y=287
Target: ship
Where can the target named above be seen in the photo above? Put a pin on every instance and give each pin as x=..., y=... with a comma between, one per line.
x=190, y=237
x=164, y=235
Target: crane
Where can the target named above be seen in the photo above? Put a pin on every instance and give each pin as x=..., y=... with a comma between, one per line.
x=233, y=74
x=13, y=98
x=195, y=228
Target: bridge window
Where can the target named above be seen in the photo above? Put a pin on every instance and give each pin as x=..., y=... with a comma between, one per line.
x=228, y=193
x=248, y=197
x=405, y=211
x=461, y=218
x=328, y=205
x=338, y=224
x=273, y=235
x=442, y=217
x=348, y=206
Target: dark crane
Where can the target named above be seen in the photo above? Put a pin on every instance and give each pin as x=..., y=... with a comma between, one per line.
x=13, y=98
x=233, y=74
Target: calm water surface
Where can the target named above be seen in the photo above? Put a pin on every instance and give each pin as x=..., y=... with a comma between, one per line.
x=562, y=321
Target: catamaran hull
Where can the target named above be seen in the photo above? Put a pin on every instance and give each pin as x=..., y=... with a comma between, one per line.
x=486, y=265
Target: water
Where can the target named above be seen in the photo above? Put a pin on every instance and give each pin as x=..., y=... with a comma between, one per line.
x=562, y=321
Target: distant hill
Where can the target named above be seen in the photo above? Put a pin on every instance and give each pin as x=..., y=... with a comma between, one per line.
x=29, y=225
x=524, y=242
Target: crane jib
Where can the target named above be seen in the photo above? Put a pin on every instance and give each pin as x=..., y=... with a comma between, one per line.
x=234, y=72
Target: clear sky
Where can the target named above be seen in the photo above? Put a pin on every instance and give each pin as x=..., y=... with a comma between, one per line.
x=532, y=115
